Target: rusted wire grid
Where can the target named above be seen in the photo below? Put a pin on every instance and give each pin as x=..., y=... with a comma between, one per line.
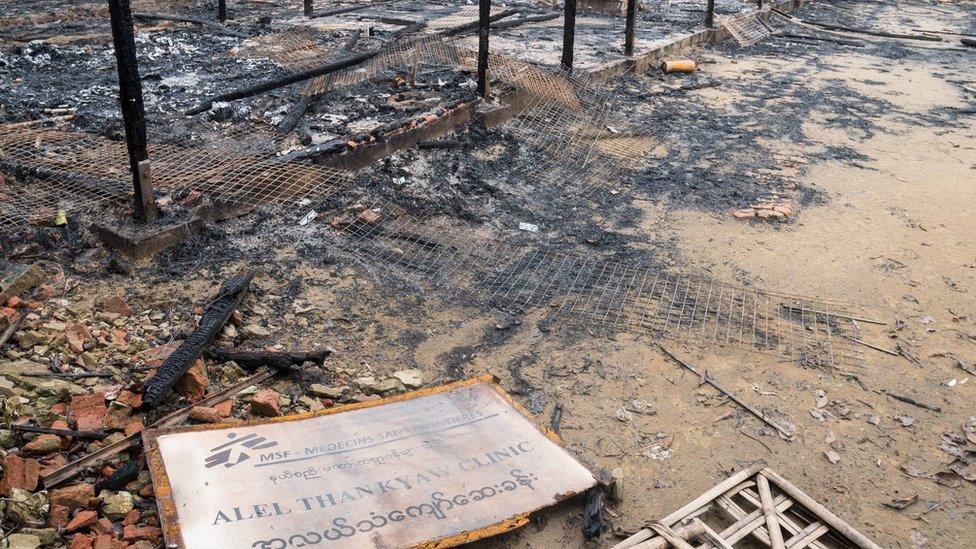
x=251, y=171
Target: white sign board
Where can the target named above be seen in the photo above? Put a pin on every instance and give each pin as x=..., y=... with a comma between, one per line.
x=450, y=464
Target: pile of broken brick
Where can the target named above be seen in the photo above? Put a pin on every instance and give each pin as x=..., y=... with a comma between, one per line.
x=71, y=384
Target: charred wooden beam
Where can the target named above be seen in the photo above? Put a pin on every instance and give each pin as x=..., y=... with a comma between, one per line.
x=710, y=14
x=347, y=9
x=221, y=29
x=213, y=319
x=130, y=99
x=296, y=114
x=501, y=25
x=118, y=480
x=468, y=27
x=284, y=360
x=484, y=14
x=288, y=79
x=631, y=27
x=87, y=435
x=569, y=34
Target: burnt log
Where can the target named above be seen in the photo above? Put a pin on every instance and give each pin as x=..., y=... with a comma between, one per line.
x=218, y=28
x=87, y=435
x=120, y=478
x=213, y=319
x=284, y=360
x=292, y=78
x=296, y=114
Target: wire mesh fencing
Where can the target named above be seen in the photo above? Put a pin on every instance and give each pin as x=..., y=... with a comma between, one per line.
x=573, y=142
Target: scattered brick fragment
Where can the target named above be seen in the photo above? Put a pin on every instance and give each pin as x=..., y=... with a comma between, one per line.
x=20, y=473
x=89, y=411
x=265, y=403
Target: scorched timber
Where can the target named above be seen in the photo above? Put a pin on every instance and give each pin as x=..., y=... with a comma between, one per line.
x=220, y=29
x=176, y=364
x=252, y=360
x=329, y=68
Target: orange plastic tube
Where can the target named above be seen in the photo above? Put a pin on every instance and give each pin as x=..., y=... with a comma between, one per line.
x=679, y=65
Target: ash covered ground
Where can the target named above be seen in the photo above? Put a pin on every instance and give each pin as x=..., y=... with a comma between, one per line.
x=752, y=124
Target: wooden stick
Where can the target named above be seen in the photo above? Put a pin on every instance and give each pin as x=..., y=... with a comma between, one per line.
x=89, y=435
x=807, y=536
x=70, y=470
x=12, y=329
x=67, y=375
x=292, y=78
x=868, y=32
x=279, y=360
x=747, y=524
x=818, y=509
x=714, y=537
x=871, y=346
x=347, y=9
x=685, y=532
x=296, y=114
x=913, y=402
x=769, y=511
x=523, y=20
x=179, y=361
x=461, y=29
x=693, y=505
x=670, y=535
x=785, y=521
x=838, y=315
x=708, y=379
x=216, y=27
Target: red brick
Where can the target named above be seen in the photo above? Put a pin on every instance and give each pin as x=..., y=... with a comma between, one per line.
x=115, y=304
x=73, y=497
x=19, y=473
x=59, y=516
x=133, y=427
x=89, y=411
x=102, y=526
x=132, y=517
x=205, y=414
x=136, y=533
x=225, y=408
x=193, y=384
x=82, y=541
x=53, y=463
x=129, y=398
x=76, y=335
x=42, y=445
x=107, y=541
x=83, y=519
x=265, y=403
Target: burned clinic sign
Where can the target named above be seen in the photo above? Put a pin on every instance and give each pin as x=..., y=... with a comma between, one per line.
x=449, y=465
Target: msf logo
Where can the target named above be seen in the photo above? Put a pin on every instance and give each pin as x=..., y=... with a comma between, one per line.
x=231, y=453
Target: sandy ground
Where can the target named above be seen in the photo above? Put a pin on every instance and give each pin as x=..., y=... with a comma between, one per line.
x=893, y=234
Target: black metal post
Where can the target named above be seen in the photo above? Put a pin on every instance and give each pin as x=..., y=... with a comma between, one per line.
x=484, y=13
x=569, y=34
x=221, y=10
x=308, y=8
x=133, y=112
x=710, y=14
x=631, y=26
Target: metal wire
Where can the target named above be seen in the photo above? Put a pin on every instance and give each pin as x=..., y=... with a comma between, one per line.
x=571, y=144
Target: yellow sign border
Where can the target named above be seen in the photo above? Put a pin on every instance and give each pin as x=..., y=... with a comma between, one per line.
x=164, y=491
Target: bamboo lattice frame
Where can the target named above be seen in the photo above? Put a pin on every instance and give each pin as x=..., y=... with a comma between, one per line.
x=755, y=503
